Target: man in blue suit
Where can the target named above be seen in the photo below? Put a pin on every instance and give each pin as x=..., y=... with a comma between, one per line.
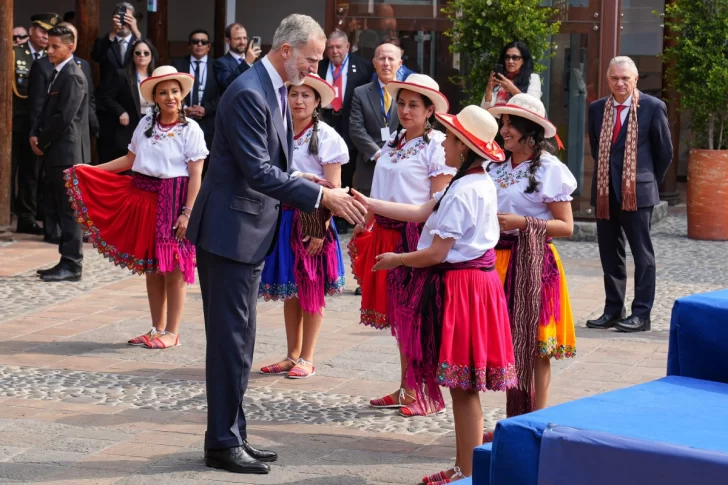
x=233, y=224
x=631, y=145
x=240, y=56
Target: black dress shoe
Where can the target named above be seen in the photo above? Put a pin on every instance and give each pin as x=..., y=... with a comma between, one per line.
x=41, y=272
x=235, y=460
x=633, y=324
x=357, y=292
x=260, y=455
x=605, y=321
x=29, y=227
x=62, y=273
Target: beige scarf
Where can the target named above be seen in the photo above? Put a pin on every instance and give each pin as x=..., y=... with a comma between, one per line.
x=629, y=167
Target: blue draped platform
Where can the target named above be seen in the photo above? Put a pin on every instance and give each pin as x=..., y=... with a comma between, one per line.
x=677, y=423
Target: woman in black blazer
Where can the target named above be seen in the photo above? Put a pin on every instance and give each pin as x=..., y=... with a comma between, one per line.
x=120, y=105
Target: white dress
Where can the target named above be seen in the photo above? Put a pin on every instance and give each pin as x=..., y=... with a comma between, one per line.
x=556, y=184
x=166, y=153
x=404, y=174
x=331, y=149
x=468, y=214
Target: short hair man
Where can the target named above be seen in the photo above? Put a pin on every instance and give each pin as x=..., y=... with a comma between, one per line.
x=61, y=137
x=241, y=54
x=113, y=50
x=233, y=224
x=632, y=149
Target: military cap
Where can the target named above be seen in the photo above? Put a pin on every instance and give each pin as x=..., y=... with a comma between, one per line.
x=46, y=20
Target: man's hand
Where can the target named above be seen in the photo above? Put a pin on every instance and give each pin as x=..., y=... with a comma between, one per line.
x=343, y=205
x=315, y=245
x=252, y=53
x=115, y=26
x=34, y=146
x=194, y=112
x=124, y=119
x=131, y=21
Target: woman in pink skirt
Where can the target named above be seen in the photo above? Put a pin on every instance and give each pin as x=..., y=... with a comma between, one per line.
x=460, y=335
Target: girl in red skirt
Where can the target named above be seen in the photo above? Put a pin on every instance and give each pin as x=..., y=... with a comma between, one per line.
x=139, y=221
x=459, y=333
x=410, y=168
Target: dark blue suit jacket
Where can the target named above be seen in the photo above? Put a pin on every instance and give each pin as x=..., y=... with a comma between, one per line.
x=654, y=149
x=227, y=69
x=236, y=210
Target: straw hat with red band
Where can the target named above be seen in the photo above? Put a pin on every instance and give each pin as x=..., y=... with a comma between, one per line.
x=526, y=106
x=166, y=73
x=424, y=85
x=325, y=90
x=477, y=129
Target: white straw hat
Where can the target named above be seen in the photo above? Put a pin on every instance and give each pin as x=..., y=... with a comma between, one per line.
x=166, y=73
x=526, y=106
x=477, y=129
x=325, y=90
x=423, y=84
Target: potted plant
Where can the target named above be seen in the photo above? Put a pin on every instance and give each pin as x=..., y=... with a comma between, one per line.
x=698, y=70
x=480, y=29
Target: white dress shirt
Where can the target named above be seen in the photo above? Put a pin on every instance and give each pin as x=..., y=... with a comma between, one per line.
x=623, y=115
x=124, y=44
x=33, y=51
x=57, y=70
x=330, y=78
x=202, y=76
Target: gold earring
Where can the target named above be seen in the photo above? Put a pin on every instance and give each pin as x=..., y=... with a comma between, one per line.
x=462, y=159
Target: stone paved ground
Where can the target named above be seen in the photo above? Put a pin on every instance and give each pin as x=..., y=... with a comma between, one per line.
x=78, y=406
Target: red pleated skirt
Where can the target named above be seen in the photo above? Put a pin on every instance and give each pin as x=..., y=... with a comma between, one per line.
x=363, y=250
x=476, y=350
x=129, y=219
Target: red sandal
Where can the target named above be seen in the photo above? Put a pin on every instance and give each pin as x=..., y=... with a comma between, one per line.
x=488, y=437
x=437, y=477
x=157, y=343
x=276, y=368
x=147, y=337
x=416, y=409
x=387, y=402
x=457, y=476
x=299, y=372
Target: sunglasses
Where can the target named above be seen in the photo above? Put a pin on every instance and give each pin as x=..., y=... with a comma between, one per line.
x=513, y=58
x=20, y=37
x=142, y=53
x=199, y=41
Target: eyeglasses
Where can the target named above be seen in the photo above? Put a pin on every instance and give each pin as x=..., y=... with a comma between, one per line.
x=142, y=53
x=20, y=37
x=512, y=58
x=199, y=41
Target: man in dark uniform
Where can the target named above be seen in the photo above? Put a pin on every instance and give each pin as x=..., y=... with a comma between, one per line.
x=25, y=165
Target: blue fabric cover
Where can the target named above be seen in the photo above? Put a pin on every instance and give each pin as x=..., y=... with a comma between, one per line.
x=674, y=410
x=481, y=463
x=699, y=337
x=571, y=456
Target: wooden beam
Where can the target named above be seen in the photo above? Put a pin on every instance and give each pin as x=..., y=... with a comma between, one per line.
x=220, y=23
x=157, y=30
x=610, y=28
x=87, y=23
x=668, y=189
x=7, y=71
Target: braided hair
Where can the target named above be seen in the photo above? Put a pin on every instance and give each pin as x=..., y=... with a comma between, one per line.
x=533, y=137
x=470, y=159
x=313, y=145
x=428, y=124
x=155, y=115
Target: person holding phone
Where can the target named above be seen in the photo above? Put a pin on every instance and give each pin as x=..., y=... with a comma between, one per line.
x=240, y=56
x=513, y=74
x=113, y=51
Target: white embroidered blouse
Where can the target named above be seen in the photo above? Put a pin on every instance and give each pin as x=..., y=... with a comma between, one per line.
x=404, y=174
x=166, y=153
x=468, y=214
x=556, y=184
x=331, y=149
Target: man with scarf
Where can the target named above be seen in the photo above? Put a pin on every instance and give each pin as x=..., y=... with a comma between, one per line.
x=632, y=147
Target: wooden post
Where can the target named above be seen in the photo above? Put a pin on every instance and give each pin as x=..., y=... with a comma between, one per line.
x=668, y=189
x=157, y=30
x=87, y=23
x=611, y=22
x=220, y=23
x=7, y=71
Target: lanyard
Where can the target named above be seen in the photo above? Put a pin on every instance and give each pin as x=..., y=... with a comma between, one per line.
x=385, y=113
x=335, y=77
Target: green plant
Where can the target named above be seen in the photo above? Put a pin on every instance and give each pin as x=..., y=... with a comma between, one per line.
x=480, y=29
x=698, y=65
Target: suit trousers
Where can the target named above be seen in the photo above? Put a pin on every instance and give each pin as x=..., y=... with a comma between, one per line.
x=229, y=297
x=51, y=225
x=71, y=245
x=26, y=167
x=635, y=225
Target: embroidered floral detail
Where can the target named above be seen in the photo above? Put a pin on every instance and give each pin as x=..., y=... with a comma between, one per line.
x=278, y=291
x=353, y=256
x=504, y=176
x=478, y=378
x=371, y=318
x=160, y=136
x=551, y=348
x=408, y=150
x=303, y=140
x=335, y=287
x=80, y=211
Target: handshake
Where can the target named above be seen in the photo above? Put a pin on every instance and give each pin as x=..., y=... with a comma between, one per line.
x=352, y=208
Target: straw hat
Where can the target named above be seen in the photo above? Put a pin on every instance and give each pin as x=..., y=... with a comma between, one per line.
x=325, y=90
x=477, y=129
x=423, y=84
x=526, y=106
x=166, y=73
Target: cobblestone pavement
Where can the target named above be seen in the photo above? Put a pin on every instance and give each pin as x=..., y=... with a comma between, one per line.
x=78, y=406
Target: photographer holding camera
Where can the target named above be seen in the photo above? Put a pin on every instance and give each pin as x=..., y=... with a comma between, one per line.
x=513, y=74
x=240, y=56
x=113, y=51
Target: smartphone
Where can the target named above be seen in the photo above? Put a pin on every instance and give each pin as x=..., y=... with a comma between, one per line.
x=256, y=41
x=499, y=69
x=121, y=13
